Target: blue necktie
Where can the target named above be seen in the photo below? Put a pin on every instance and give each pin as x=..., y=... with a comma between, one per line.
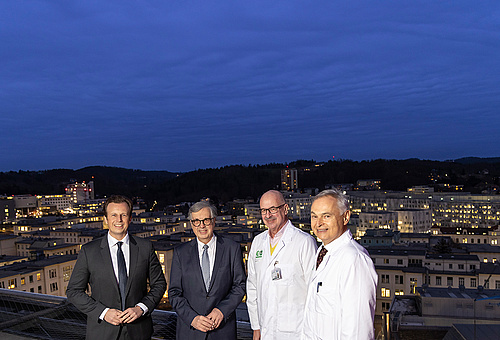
x=205, y=267
x=122, y=273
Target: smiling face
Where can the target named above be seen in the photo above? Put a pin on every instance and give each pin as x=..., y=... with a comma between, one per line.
x=203, y=232
x=327, y=222
x=118, y=219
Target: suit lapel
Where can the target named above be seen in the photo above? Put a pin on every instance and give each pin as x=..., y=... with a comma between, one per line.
x=134, y=253
x=194, y=261
x=219, y=255
x=107, y=264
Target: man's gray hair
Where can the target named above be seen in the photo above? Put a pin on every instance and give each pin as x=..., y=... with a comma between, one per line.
x=342, y=201
x=201, y=205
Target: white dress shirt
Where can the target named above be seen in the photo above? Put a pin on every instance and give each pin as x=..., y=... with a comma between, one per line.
x=212, y=244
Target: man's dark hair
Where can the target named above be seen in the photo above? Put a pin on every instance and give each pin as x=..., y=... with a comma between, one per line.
x=118, y=199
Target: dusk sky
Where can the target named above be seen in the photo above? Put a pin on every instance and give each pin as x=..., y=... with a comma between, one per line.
x=185, y=85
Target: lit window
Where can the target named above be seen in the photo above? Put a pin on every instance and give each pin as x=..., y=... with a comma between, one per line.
x=386, y=292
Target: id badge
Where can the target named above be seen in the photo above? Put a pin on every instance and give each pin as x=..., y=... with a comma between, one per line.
x=276, y=273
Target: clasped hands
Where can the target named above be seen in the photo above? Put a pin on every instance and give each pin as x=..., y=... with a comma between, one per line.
x=117, y=317
x=209, y=322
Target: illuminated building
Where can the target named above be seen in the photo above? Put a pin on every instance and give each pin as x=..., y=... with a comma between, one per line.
x=289, y=179
x=81, y=192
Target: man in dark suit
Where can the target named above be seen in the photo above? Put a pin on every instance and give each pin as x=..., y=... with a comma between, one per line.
x=207, y=280
x=118, y=268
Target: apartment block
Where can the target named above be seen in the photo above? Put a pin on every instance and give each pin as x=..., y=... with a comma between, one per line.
x=47, y=276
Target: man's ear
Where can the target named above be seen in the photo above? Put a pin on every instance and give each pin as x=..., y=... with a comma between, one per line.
x=347, y=217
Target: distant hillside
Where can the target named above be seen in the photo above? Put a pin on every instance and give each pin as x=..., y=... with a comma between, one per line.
x=108, y=180
x=239, y=181
x=478, y=160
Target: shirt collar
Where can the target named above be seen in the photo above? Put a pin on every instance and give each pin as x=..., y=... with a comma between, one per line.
x=113, y=241
x=280, y=232
x=339, y=242
x=209, y=244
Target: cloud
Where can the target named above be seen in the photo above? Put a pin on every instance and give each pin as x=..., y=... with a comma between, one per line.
x=194, y=84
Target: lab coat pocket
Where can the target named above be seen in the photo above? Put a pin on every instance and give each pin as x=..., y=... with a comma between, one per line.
x=325, y=313
x=289, y=312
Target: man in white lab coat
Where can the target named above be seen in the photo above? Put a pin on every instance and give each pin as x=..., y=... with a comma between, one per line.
x=280, y=264
x=342, y=292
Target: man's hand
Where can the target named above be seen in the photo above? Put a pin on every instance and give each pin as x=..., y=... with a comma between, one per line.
x=216, y=316
x=112, y=316
x=202, y=323
x=131, y=314
x=256, y=334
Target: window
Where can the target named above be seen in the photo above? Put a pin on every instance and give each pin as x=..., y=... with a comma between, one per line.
x=413, y=284
x=39, y=289
x=399, y=279
x=461, y=266
x=53, y=286
x=386, y=261
x=12, y=283
x=472, y=267
x=398, y=292
x=385, y=278
x=38, y=276
x=485, y=260
x=31, y=278
x=161, y=257
x=52, y=273
x=497, y=284
x=386, y=292
x=386, y=305
x=461, y=281
x=400, y=261
x=473, y=282
x=438, y=280
x=66, y=273
x=449, y=281
x=450, y=266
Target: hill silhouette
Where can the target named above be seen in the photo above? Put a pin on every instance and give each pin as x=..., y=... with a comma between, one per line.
x=241, y=181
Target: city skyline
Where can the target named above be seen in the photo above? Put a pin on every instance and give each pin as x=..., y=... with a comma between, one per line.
x=195, y=85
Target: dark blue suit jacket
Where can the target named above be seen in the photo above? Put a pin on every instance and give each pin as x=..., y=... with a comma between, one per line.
x=189, y=297
x=94, y=267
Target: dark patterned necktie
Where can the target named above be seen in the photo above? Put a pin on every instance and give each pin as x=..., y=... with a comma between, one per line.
x=122, y=273
x=321, y=254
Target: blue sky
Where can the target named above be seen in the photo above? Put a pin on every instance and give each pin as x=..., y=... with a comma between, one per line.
x=183, y=85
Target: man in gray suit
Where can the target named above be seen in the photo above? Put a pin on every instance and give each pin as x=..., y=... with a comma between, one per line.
x=117, y=267
x=207, y=280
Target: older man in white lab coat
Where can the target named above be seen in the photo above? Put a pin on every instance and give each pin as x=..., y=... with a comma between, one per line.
x=342, y=292
x=280, y=263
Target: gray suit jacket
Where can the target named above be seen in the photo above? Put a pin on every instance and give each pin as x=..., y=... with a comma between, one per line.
x=94, y=267
x=189, y=297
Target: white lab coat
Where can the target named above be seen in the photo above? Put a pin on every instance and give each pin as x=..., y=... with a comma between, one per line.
x=342, y=293
x=276, y=307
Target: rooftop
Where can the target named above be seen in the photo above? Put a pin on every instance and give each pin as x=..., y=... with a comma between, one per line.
x=26, y=315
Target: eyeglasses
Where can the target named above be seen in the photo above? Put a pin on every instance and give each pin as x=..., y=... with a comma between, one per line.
x=272, y=210
x=206, y=222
